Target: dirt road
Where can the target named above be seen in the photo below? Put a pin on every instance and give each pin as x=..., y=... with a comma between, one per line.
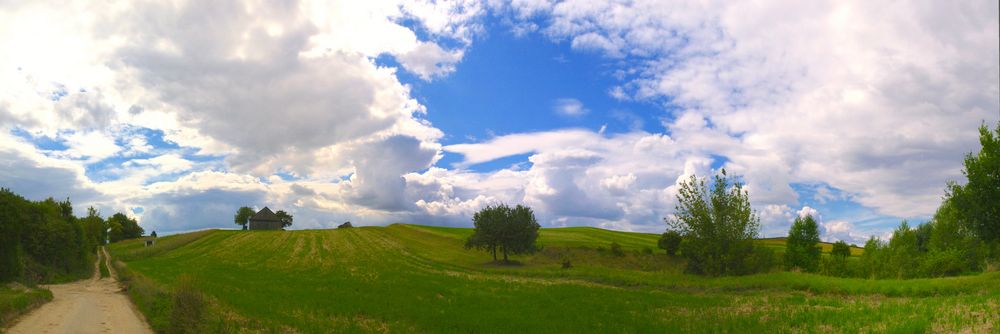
x=95, y=305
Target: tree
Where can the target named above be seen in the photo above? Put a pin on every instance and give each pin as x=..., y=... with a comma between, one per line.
x=153, y=234
x=841, y=250
x=977, y=203
x=95, y=229
x=243, y=215
x=904, y=256
x=717, y=227
x=670, y=241
x=345, y=225
x=801, y=250
x=286, y=219
x=122, y=227
x=510, y=231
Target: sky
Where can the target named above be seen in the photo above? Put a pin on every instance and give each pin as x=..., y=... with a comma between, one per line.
x=590, y=112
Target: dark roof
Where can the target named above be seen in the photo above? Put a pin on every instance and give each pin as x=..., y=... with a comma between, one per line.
x=265, y=214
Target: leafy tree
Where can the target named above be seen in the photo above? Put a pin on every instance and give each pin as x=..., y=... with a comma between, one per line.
x=904, y=255
x=243, y=215
x=12, y=213
x=977, y=203
x=923, y=234
x=504, y=229
x=345, y=225
x=840, y=249
x=286, y=219
x=717, y=227
x=153, y=234
x=95, y=229
x=873, y=259
x=801, y=249
x=670, y=241
x=122, y=227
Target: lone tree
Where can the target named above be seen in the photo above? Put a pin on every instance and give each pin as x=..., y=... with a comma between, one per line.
x=801, y=250
x=286, y=219
x=346, y=224
x=509, y=230
x=670, y=241
x=717, y=228
x=841, y=250
x=243, y=216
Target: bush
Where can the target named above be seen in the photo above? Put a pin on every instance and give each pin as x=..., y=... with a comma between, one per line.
x=188, y=309
x=647, y=251
x=345, y=225
x=670, y=241
x=616, y=249
x=840, y=249
x=761, y=260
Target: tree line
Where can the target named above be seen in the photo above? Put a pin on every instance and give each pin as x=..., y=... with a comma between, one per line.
x=42, y=241
x=714, y=230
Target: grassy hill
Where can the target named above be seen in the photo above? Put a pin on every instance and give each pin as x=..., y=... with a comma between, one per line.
x=408, y=278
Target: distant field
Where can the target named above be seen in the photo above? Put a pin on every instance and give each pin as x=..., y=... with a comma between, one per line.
x=407, y=278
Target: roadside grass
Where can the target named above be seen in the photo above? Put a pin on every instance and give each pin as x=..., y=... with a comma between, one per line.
x=407, y=278
x=16, y=299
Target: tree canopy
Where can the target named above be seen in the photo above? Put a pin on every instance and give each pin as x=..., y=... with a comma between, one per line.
x=501, y=228
x=717, y=226
x=243, y=215
x=801, y=250
x=286, y=219
x=977, y=202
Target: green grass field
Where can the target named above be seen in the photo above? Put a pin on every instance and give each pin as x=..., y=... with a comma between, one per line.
x=407, y=278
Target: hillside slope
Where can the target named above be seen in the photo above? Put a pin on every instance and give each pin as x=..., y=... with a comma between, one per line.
x=407, y=278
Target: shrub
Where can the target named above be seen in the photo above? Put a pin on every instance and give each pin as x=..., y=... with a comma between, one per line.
x=840, y=249
x=616, y=249
x=345, y=225
x=942, y=263
x=647, y=251
x=670, y=241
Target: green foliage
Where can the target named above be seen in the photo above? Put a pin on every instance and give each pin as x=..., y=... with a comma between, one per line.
x=904, y=254
x=670, y=241
x=801, y=250
x=345, y=225
x=121, y=227
x=717, y=227
x=977, y=203
x=616, y=249
x=841, y=250
x=41, y=241
x=286, y=219
x=243, y=215
x=504, y=229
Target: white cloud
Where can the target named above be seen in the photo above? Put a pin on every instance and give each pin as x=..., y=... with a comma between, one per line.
x=860, y=96
x=570, y=107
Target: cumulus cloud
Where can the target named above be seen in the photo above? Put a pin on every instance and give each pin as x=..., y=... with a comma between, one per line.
x=858, y=95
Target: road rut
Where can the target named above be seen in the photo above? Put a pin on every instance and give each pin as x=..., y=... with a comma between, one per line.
x=95, y=305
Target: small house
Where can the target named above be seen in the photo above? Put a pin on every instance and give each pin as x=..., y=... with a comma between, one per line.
x=150, y=242
x=265, y=219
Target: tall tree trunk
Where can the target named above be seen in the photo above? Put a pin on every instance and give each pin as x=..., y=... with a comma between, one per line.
x=494, y=253
x=505, y=255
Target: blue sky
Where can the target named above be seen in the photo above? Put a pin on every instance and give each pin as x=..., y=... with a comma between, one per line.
x=390, y=111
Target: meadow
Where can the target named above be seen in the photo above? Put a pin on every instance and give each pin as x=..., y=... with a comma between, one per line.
x=409, y=278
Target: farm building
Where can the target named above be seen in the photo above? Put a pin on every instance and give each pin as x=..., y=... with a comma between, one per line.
x=265, y=219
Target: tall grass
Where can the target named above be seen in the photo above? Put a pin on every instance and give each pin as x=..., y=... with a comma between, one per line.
x=16, y=300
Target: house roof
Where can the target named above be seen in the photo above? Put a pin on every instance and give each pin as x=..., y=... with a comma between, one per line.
x=266, y=215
